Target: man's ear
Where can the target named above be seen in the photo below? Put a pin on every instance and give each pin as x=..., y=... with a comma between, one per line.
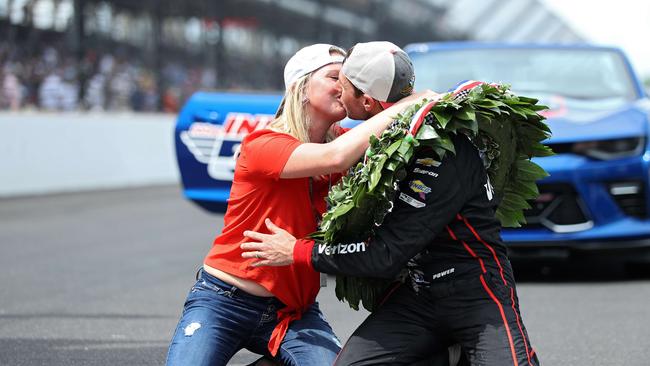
x=369, y=103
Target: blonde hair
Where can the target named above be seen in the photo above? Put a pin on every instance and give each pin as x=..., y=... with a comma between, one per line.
x=294, y=119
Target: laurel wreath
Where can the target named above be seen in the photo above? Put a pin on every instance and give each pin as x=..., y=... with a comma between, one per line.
x=505, y=128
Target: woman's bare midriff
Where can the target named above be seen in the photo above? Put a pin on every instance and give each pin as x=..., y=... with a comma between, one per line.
x=249, y=286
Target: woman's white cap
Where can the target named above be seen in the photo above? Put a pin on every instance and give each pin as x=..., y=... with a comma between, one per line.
x=309, y=59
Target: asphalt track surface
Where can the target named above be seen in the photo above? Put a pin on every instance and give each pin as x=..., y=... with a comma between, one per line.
x=99, y=278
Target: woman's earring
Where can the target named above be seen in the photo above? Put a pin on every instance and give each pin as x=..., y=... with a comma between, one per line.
x=305, y=100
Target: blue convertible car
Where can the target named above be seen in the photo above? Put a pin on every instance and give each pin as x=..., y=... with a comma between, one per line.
x=597, y=195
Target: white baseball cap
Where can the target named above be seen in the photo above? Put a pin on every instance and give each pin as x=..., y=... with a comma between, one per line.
x=380, y=69
x=306, y=60
x=311, y=58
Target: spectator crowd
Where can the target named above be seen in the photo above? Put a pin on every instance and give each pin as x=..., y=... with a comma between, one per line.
x=50, y=79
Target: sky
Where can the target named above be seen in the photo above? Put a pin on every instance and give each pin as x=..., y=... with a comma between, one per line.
x=622, y=23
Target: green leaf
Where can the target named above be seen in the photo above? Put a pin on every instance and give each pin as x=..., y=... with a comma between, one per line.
x=392, y=148
x=374, y=141
x=404, y=147
x=528, y=100
x=375, y=175
x=442, y=117
x=447, y=144
x=393, y=165
x=513, y=202
x=510, y=218
x=538, y=149
x=488, y=104
x=527, y=189
x=529, y=171
x=471, y=125
x=426, y=132
x=342, y=209
x=337, y=196
x=467, y=114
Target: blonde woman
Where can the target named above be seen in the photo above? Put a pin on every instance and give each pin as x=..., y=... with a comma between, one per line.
x=283, y=173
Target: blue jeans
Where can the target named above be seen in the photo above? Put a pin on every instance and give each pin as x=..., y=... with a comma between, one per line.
x=219, y=320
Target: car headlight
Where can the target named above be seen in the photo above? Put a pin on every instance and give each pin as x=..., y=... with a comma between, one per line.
x=610, y=149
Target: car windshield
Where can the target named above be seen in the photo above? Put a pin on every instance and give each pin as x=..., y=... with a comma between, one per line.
x=573, y=73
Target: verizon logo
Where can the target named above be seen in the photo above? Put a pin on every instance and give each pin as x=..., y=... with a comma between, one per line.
x=341, y=248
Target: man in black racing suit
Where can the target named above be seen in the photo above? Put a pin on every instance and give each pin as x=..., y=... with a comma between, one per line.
x=461, y=290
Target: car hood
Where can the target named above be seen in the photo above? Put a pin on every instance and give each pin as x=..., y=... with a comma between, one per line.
x=572, y=121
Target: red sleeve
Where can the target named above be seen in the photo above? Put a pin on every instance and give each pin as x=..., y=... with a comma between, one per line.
x=302, y=252
x=338, y=130
x=266, y=152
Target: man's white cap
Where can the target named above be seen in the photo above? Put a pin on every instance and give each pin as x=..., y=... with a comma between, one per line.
x=311, y=58
x=380, y=69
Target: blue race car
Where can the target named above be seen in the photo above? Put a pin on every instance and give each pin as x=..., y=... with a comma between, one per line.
x=208, y=133
x=596, y=197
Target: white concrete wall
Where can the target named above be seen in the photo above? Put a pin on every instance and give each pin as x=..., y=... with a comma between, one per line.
x=59, y=152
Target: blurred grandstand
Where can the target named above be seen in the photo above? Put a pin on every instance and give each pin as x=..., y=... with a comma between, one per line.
x=151, y=55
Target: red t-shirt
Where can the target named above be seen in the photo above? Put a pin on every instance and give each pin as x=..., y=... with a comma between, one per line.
x=258, y=193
